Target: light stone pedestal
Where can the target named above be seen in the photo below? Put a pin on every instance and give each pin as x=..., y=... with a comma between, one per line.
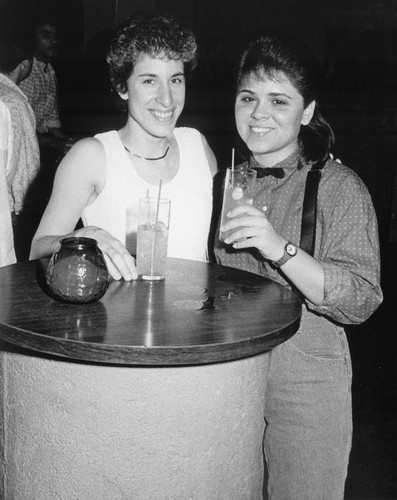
x=98, y=432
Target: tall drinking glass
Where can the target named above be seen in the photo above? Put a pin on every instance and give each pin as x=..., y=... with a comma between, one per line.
x=152, y=240
x=238, y=190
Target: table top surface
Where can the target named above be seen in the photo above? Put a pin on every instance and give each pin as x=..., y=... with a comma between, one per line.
x=201, y=313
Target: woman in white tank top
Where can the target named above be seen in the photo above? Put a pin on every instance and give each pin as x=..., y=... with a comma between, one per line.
x=103, y=177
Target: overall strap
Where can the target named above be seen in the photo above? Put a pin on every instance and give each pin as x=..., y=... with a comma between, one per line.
x=309, y=209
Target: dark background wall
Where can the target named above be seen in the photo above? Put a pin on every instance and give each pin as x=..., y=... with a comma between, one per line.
x=350, y=34
x=356, y=39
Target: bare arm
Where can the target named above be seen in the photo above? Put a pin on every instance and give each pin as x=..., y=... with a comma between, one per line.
x=78, y=181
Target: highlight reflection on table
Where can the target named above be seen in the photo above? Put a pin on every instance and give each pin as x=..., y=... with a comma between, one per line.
x=200, y=313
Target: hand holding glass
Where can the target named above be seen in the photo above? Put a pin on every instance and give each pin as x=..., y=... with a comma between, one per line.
x=238, y=190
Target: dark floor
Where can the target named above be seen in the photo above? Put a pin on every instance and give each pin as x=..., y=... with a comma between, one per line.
x=373, y=463
x=367, y=142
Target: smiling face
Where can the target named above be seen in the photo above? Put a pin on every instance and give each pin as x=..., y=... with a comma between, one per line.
x=156, y=96
x=269, y=113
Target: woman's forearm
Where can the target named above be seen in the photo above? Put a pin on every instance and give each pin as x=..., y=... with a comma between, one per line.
x=44, y=246
x=307, y=275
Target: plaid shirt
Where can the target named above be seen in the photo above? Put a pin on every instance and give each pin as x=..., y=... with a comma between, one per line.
x=41, y=89
x=20, y=143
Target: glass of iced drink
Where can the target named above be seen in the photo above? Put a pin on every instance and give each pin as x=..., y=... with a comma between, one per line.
x=239, y=188
x=152, y=240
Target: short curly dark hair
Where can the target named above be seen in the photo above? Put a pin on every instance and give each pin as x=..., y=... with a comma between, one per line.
x=155, y=35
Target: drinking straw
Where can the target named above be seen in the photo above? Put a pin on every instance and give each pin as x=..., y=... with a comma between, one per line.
x=155, y=225
x=147, y=206
x=232, y=166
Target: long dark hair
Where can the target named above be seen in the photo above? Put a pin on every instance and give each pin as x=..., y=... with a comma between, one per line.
x=270, y=53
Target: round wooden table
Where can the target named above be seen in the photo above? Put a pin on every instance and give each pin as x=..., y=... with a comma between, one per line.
x=153, y=392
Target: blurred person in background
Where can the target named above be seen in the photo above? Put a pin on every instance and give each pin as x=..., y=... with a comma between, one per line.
x=20, y=149
x=41, y=88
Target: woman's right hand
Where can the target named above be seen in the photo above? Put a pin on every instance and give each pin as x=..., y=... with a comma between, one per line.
x=120, y=263
x=254, y=230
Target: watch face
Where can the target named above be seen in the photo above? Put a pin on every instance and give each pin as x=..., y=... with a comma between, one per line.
x=291, y=249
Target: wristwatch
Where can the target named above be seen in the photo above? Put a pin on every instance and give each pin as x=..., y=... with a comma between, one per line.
x=290, y=250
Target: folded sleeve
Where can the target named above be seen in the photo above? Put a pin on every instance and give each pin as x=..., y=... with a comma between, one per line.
x=348, y=250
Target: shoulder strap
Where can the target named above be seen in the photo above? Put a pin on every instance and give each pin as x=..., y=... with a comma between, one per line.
x=309, y=210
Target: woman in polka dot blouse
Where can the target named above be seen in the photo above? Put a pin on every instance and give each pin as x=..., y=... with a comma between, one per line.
x=307, y=414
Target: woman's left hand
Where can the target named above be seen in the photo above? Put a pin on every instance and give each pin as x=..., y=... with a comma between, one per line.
x=253, y=229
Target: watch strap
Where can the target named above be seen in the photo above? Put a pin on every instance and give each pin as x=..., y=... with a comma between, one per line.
x=286, y=256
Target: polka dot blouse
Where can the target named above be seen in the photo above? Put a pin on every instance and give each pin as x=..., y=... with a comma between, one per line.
x=347, y=244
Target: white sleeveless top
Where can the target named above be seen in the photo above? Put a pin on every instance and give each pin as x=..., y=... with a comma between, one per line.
x=190, y=192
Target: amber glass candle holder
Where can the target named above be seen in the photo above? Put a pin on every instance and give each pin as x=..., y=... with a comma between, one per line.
x=77, y=272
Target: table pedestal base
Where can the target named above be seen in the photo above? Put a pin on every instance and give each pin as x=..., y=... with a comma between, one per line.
x=75, y=430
